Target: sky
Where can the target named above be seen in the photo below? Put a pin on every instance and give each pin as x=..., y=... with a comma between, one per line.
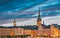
x=25, y=11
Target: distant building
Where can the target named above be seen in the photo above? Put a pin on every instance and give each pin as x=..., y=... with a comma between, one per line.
x=37, y=31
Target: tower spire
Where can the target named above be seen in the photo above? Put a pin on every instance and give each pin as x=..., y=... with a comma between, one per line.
x=43, y=21
x=14, y=22
x=39, y=18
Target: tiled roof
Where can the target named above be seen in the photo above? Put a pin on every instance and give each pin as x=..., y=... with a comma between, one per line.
x=24, y=27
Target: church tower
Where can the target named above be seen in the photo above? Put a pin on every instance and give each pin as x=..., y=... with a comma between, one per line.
x=13, y=30
x=39, y=24
x=14, y=22
x=39, y=21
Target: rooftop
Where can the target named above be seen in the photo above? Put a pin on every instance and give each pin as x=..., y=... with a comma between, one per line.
x=34, y=27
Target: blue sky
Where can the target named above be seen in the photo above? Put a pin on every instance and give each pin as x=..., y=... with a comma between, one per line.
x=25, y=10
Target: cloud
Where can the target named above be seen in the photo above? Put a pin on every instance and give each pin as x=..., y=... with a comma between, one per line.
x=33, y=21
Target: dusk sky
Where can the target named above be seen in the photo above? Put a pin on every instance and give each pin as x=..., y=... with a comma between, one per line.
x=25, y=11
